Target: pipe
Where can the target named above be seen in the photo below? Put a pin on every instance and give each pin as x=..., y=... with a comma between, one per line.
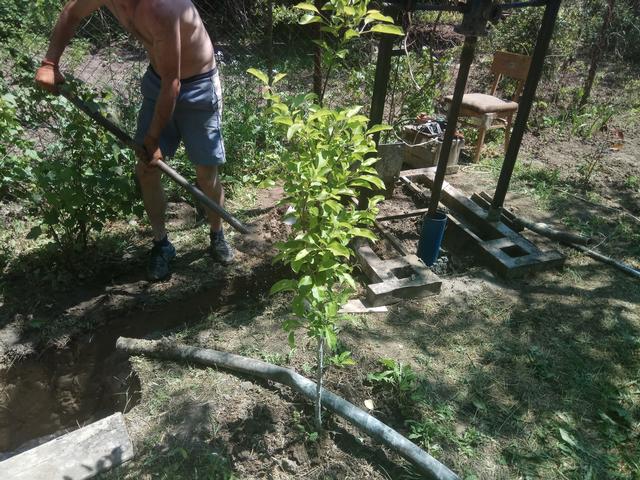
x=381, y=83
x=524, y=108
x=623, y=267
x=532, y=3
x=466, y=58
x=428, y=465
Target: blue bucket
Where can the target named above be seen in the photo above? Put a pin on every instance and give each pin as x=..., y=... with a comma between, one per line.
x=431, y=237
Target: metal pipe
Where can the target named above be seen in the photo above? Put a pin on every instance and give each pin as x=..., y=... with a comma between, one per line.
x=532, y=3
x=466, y=58
x=381, y=84
x=426, y=7
x=524, y=108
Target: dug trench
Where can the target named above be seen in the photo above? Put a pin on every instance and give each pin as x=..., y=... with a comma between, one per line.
x=58, y=390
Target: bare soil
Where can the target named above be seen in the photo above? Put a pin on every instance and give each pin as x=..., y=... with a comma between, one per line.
x=504, y=366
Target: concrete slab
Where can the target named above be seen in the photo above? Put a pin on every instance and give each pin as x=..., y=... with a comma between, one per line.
x=77, y=455
x=501, y=248
x=395, y=279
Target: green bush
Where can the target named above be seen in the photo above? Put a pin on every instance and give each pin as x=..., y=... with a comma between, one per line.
x=84, y=179
x=18, y=15
x=16, y=152
x=253, y=147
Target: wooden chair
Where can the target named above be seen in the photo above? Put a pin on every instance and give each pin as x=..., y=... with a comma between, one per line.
x=488, y=112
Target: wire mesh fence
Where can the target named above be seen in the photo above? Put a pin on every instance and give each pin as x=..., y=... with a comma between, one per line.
x=246, y=34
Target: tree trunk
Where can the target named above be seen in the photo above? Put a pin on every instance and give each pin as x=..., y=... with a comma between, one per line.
x=596, y=52
x=319, y=374
x=269, y=41
x=317, y=58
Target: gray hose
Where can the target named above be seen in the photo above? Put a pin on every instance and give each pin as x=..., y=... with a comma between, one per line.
x=427, y=465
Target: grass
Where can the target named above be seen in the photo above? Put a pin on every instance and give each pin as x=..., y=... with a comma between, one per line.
x=520, y=387
x=180, y=430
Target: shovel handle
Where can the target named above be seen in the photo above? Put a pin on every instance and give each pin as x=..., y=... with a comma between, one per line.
x=196, y=192
x=125, y=139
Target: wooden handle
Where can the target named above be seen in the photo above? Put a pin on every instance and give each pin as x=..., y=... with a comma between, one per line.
x=166, y=169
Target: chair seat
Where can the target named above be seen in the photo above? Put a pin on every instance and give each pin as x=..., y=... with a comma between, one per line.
x=482, y=103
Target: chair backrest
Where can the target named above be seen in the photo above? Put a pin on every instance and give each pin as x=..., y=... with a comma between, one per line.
x=512, y=65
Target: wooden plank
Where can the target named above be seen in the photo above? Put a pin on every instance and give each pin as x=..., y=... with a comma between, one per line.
x=393, y=291
x=395, y=243
x=500, y=247
x=372, y=266
x=356, y=306
x=505, y=216
x=80, y=454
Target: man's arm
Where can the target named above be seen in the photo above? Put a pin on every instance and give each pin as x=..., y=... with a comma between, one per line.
x=48, y=75
x=165, y=31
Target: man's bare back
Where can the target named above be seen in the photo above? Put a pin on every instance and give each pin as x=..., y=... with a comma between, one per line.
x=196, y=50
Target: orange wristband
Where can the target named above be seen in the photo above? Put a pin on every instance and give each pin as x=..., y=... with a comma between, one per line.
x=48, y=63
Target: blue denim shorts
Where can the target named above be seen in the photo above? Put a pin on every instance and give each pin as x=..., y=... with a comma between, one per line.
x=196, y=120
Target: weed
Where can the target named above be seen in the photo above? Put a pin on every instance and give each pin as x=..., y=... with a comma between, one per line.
x=541, y=179
x=397, y=377
x=591, y=165
x=276, y=358
x=437, y=430
x=304, y=428
x=632, y=182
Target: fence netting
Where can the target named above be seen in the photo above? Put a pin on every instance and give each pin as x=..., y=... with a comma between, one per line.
x=261, y=34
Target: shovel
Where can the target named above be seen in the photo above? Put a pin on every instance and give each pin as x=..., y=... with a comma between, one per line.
x=127, y=141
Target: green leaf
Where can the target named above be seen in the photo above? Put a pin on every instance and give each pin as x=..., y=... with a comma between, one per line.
x=283, y=120
x=350, y=281
x=263, y=77
x=373, y=201
x=307, y=6
x=364, y=233
x=387, y=29
x=376, y=15
x=339, y=250
x=309, y=19
x=293, y=129
x=330, y=337
x=379, y=128
x=292, y=339
x=354, y=111
x=34, y=233
x=278, y=77
x=373, y=180
x=282, y=286
x=301, y=254
x=350, y=33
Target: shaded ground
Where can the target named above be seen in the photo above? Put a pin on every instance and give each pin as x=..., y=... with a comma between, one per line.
x=531, y=378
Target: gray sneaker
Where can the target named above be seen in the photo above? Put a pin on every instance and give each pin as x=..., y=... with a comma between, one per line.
x=161, y=256
x=221, y=251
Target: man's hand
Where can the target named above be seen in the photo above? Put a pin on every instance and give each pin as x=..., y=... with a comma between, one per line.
x=48, y=76
x=150, y=152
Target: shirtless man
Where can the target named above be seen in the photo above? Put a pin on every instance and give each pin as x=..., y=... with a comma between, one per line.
x=182, y=101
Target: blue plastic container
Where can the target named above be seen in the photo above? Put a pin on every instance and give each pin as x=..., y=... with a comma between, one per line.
x=431, y=237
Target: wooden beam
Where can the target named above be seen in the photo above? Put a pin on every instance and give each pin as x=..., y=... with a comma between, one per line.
x=400, y=216
x=80, y=454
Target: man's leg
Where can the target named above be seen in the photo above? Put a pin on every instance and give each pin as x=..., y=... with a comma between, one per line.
x=155, y=204
x=153, y=197
x=209, y=182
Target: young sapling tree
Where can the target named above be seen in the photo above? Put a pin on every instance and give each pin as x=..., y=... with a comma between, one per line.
x=330, y=157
